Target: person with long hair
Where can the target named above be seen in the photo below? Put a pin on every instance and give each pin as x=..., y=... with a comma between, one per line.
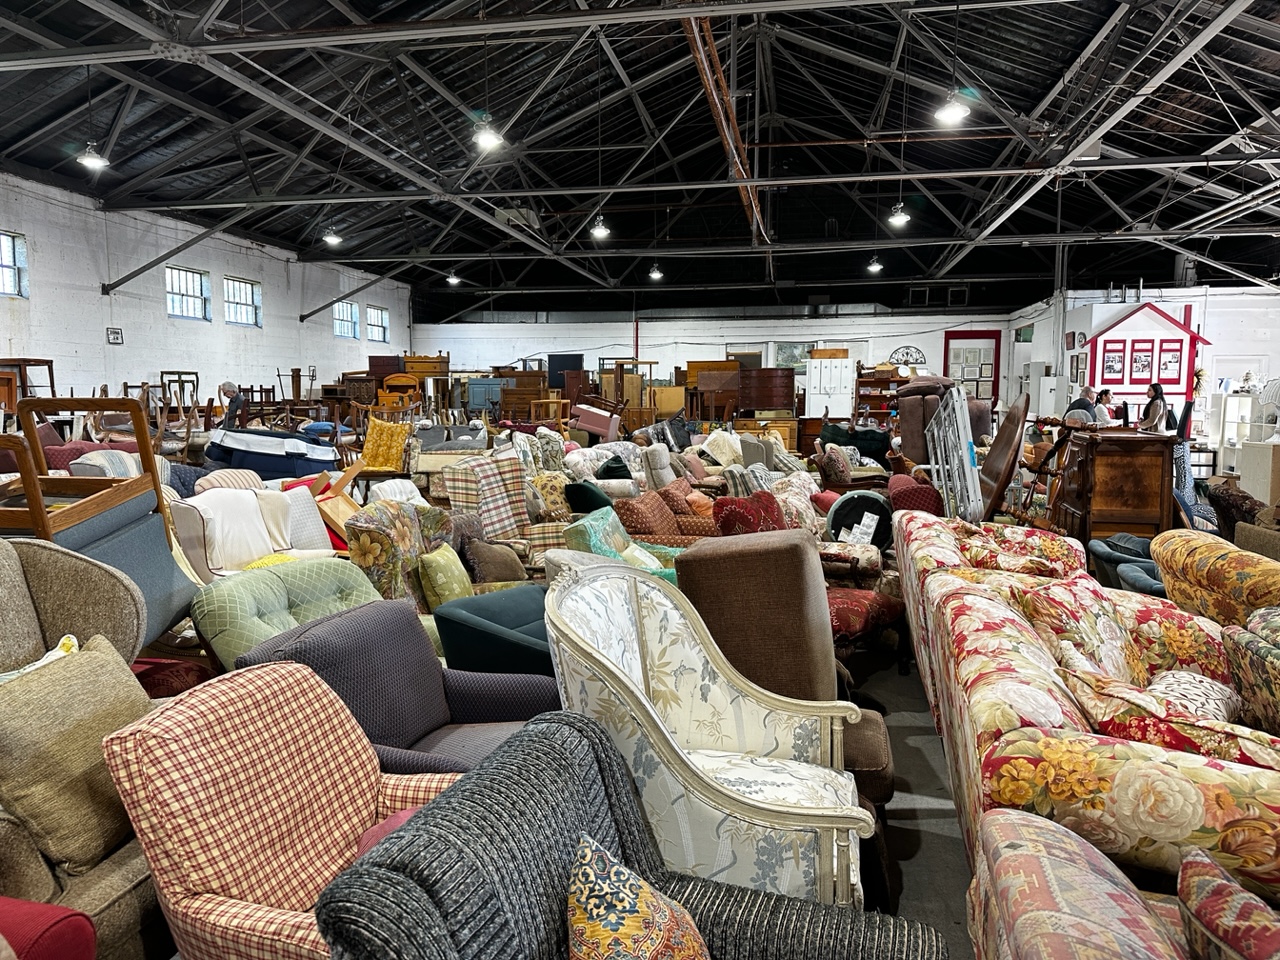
x=1156, y=412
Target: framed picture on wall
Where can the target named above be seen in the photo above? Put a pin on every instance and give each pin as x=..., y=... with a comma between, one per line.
x=955, y=371
x=1075, y=368
x=1084, y=364
x=1069, y=340
x=971, y=373
x=1113, y=361
x=1170, y=361
x=988, y=370
x=972, y=356
x=1141, y=361
x=984, y=389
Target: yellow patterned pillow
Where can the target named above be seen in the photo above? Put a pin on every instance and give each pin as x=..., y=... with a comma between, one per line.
x=384, y=444
x=616, y=913
x=270, y=560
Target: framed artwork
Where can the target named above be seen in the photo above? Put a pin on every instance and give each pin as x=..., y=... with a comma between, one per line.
x=988, y=370
x=794, y=355
x=1141, y=361
x=955, y=372
x=1084, y=364
x=115, y=336
x=1170, y=370
x=972, y=356
x=971, y=373
x=1075, y=368
x=987, y=355
x=957, y=355
x=1113, y=361
x=984, y=390
x=1070, y=340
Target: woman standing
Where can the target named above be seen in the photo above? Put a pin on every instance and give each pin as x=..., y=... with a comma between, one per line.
x=1156, y=412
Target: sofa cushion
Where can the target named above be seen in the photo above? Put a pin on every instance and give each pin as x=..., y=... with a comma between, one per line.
x=1255, y=669
x=231, y=479
x=468, y=743
x=384, y=444
x=824, y=500
x=1076, y=610
x=615, y=468
x=586, y=497
x=494, y=562
x=775, y=780
x=614, y=912
x=52, y=775
x=855, y=612
x=697, y=469
x=555, y=504
x=443, y=576
x=1221, y=919
x=383, y=829
x=700, y=504
x=1118, y=709
x=760, y=511
x=1198, y=695
x=676, y=496
x=637, y=556
x=647, y=515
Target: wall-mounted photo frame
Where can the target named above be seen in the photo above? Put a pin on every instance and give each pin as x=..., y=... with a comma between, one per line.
x=988, y=370
x=1075, y=368
x=972, y=356
x=1170, y=369
x=1084, y=364
x=115, y=336
x=1069, y=340
x=955, y=371
x=971, y=372
x=1141, y=361
x=1113, y=361
x=984, y=390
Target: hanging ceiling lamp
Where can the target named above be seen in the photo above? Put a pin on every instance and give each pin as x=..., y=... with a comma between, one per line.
x=875, y=266
x=953, y=109
x=453, y=279
x=331, y=237
x=598, y=229
x=89, y=156
x=898, y=216
x=486, y=136
x=655, y=272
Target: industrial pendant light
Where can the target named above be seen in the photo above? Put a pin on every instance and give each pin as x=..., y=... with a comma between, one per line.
x=655, y=272
x=486, y=136
x=598, y=229
x=953, y=110
x=875, y=266
x=452, y=279
x=898, y=216
x=331, y=237
x=89, y=156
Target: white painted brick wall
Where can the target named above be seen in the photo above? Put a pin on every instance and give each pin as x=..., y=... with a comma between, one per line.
x=73, y=248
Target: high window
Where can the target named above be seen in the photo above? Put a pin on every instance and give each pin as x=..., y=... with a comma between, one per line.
x=346, y=320
x=13, y=265
x=242, y=300
x=379, y=321
x=187, y=293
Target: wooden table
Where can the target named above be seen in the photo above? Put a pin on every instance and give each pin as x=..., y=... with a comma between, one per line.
x=1114, y=481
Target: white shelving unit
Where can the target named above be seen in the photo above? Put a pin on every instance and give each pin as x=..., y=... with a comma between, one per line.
x=1238, y=417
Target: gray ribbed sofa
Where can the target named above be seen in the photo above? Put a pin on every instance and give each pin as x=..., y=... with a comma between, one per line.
x=483, y=871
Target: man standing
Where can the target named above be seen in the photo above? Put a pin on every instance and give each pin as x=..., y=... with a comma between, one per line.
x=1084, y=404
x=235, y=401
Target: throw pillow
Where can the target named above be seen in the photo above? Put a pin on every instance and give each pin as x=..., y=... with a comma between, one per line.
x=697, y=469
x=555, y=505
x=534, y=505
x=1076, y=610
x=53, y=778
x=676, y=496
x=700, y=503
x=615, y=468
x=494, y=562
x=760, y=511
x=638, y=556
x=1118, y=709
x=1198, y=695
x=384, y=444
x=443, y=576
x=646, y=515
x=824, y=500
x=1221, y=919
x=739, y=482
x=586, y=497
x=614, y=912
x=383, y=829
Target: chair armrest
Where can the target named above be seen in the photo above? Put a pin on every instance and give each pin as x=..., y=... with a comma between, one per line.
x=401, y=762
x=24, y=873
x=742, y=924
x=76, y=595
x=398, y=792
x=498, y=697
x=246, y=931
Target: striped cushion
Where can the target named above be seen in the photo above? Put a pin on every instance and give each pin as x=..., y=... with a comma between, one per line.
x=230, y=479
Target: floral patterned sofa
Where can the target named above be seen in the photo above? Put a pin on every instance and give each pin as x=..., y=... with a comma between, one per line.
x=925, y=543
x=1214, y=578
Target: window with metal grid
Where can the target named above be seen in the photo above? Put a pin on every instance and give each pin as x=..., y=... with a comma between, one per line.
x=346, y=320
x=243, y=301
x=187, y=293
x=379, y=319
x=13, y=265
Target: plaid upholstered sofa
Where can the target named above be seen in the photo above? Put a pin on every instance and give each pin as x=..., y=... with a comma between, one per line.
x=494, y=488
x=442, y=885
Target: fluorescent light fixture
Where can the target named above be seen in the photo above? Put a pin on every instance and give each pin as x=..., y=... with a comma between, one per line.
x=91, y=158
x=655, y=272
x=453, y=279
x=952, y=111
x=331, y=237
x=598, y=229
x=486, y=137
x=898, y=216
x=875, y=266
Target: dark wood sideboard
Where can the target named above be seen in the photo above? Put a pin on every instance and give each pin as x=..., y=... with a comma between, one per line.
x=1114, y=481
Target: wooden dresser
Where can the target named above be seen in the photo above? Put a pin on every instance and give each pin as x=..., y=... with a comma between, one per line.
x=1114, y=481
x=768, y=388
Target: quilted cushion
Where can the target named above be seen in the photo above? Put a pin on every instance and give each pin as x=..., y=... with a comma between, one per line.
x=760, y=511
x=647, y=514
x=855, y=612
x=1221, y=919
x=675, y=495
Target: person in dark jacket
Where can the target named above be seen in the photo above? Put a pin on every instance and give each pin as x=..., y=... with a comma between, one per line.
x=1084, y=403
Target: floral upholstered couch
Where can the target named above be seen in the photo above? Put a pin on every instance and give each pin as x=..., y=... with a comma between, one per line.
x=1213, y=577
x=1048, y=696
x=925, y=543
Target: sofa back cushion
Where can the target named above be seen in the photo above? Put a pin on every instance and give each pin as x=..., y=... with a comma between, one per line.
x=647, y=514
x=1077, y=611
x=760, y=511
x=1214, y=578
x=379, y=660
x=21, y=641
x=52, y=776
x=233, y=479
x=676, y=496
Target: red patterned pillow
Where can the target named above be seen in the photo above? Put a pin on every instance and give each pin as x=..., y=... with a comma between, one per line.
x=760, y=511
x=908, y=493
x=1076, y=610
x=646, y=514
x=1118, y=709
x=824, y=501
x=854, y=612
x=1219, y=915
x=674, y=494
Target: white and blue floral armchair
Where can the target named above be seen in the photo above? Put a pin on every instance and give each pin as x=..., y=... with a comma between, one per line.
x=739, y=784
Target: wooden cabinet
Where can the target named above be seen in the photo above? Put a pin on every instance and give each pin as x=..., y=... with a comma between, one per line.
x=767, y=388
x=485, y=393
x=876, y=395
x=1114, y=481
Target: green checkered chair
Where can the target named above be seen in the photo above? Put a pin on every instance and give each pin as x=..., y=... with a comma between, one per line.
x=233, y=615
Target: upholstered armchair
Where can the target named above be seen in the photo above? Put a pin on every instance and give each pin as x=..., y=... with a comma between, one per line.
x=445, y=884
x=233, y=615
x=241, y=835
x=494, y=489
x=1211, y=577
x=738, y=783
x=420, y=717
x=601, y=532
